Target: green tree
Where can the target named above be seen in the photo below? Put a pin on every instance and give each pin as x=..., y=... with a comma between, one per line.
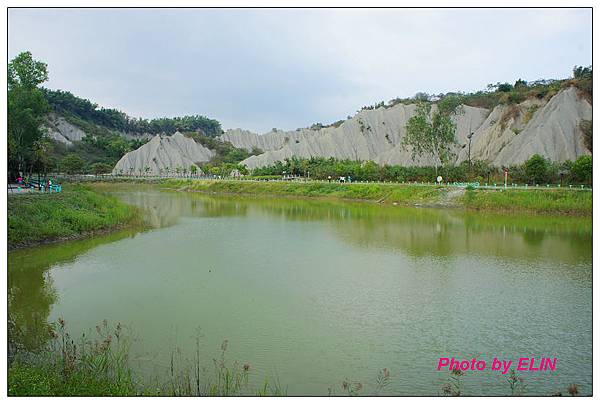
x=431, y=134
x=25, y=72
x=193, y=169
x=520, y=84
x=72, y=164
x=450, y=104
x=536, y=169
x=26, y=108
x=42, y=155
x=504, y=87
x=582, y=169
x=582, y=72
x=101, y=168
x=370, y=171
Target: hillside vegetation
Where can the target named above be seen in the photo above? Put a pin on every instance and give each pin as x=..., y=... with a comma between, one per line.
x=505, y=93
x=77, y=108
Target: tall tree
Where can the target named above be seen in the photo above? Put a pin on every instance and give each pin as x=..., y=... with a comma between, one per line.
x=72, y=164
x=432, y=133
x=26, y=108
x=26, y=72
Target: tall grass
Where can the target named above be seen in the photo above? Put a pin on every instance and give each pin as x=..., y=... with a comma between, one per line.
x=99, y=365
x=571, y=202
x=88, y=367
x=34, y=218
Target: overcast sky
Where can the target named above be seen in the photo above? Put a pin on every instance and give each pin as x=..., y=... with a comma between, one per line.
x=258, y=68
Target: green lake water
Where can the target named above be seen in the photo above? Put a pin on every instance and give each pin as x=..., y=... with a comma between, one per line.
x=313, y=293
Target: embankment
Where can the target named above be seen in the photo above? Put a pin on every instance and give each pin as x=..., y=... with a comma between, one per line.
x=77, y=212
x=537, y=201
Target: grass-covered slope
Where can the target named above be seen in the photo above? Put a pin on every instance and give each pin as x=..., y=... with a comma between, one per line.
x=555, y=201
x=77, y=211
x=552, y=201
x=373, y=192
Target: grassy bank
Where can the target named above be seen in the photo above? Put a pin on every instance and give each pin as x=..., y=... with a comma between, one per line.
x=76, y=212
x=538, y=201
x=405, y=194
x=556, y=201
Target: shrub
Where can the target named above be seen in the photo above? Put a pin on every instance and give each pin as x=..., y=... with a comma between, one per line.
x=100, y=168
x=72, y=164
x=582, y=170
x=536, y=169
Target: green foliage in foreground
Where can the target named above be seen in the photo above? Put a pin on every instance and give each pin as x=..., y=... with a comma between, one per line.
x=45, y=217
x=573, y=202
x=45, y=380
x=89, y=367
x=100, y=366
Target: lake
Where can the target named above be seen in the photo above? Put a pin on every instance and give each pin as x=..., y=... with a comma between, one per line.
x=313, y=293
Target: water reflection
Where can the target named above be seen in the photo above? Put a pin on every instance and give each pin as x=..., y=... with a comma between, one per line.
x=31, y=292
x=414, y=231
x=397, y=287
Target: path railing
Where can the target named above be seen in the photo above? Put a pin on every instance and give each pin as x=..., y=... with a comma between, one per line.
x=150, y=177
x=34, y=187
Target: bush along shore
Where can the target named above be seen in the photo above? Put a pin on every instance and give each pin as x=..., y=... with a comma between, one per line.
x=538, y=201
x=77, y=212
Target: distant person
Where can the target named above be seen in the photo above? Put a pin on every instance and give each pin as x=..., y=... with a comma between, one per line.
x=19, y=180
x=329, y=178
x=49, y=185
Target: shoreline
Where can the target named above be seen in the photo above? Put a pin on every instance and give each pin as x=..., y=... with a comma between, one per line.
x=79, y=212
x=540, y=202
x=82, y=236
x=553, y=202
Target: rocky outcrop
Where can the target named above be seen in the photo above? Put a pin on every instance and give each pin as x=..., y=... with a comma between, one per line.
x=553, y=131
x=506, y=135
x=164, y=154
x=369, y=135
x=59, y=129
x=62, y=131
